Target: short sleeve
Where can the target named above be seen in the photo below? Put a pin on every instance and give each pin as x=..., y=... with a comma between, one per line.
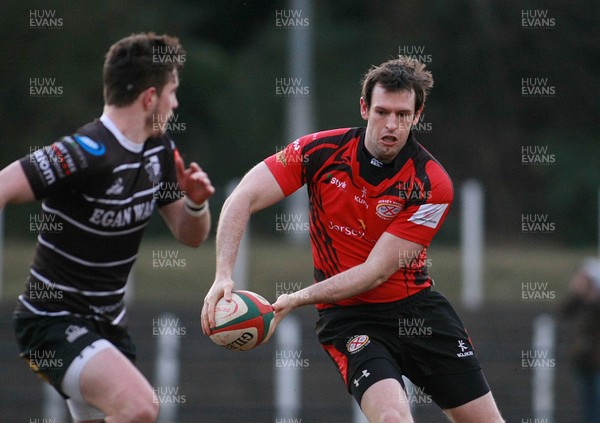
x=421, y=220
x=63, y=164
x=287, y=165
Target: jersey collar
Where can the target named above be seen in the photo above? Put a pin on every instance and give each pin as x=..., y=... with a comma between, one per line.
x=123, y=140
x=407, y=151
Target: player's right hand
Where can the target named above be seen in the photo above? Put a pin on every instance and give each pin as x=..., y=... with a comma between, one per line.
x=219, y=289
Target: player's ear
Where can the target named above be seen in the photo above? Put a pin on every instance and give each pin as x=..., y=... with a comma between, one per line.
x=418, y=115
x=364, y=109
x=149, y=98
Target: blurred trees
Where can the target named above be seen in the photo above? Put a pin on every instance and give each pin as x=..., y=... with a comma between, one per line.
x=479, y=121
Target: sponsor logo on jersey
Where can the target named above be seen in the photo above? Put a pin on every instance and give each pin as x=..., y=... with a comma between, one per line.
x=357, y=343
x=285, y=155
x=339, y=184
x=107, y=308
x=388, y=209
x=428, y=215
x=78, y=155
x=116, y=188
x=346, y=230
x=44, y=167
x=89, y=145
x=64, y=158
x=465, y=349
x=376, y=163
x=362, y=199
x=152, y=167
x=281, y=158
x=73, y=332
x=109, y=218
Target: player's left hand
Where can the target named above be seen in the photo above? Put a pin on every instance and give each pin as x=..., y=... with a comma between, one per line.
x=284, y=304
x=193, y=180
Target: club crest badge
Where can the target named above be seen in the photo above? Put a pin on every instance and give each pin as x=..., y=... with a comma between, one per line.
x=357, y=343
x=152, y=167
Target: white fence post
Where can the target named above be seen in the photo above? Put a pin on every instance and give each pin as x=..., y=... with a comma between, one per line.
x=357, y=414
x=168, y=332
x=543, y=343
x=299, y=108
x=288, y=383
x=472, y=245
x=54, y=407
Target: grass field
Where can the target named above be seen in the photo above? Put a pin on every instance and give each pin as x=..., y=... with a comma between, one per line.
x=167, y=271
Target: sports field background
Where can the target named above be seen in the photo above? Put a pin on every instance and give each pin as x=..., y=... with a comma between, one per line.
x=220, y=386
x=514, y=106
x=185, y=274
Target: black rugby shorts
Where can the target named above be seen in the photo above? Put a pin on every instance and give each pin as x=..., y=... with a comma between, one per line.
x=50, y=344
x=420, y=337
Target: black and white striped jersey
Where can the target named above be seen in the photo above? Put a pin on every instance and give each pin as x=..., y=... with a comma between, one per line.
x=99, y=191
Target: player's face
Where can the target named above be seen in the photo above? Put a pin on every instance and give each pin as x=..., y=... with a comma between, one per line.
x=166, y=103
x=389, y=119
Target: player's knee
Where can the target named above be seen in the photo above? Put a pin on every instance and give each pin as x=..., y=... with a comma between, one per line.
x=148, y=413
x=141, y=411
x=395, y=416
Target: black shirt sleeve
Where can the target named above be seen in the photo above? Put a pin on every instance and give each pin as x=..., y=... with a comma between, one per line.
x=63, y=165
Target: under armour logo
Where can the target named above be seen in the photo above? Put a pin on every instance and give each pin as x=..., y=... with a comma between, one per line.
x=365, y=373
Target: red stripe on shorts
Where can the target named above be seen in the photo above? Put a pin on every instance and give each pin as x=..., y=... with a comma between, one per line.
x=340, y=360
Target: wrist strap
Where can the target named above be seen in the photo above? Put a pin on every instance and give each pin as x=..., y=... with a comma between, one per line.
x=193, y=208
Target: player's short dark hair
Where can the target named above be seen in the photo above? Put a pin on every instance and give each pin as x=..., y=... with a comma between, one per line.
x=137, y=63
x=404, y=73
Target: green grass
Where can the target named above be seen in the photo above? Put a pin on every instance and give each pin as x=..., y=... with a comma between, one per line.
x=277, y=265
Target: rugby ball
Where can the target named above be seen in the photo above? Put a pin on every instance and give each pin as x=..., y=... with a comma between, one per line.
x=242, y=323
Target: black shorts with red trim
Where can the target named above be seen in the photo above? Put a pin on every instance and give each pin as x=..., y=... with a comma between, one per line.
x=420, y=337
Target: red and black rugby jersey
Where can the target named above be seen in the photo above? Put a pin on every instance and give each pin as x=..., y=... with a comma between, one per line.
x=354, y=199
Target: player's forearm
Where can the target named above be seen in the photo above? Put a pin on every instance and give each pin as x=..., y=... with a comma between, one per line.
x=194, y=230
x=349, y=283
x=232, y=224
x=189, y=228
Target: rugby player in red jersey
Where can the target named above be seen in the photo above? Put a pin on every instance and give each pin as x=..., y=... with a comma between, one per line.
x=100, y=185
x=376, y=200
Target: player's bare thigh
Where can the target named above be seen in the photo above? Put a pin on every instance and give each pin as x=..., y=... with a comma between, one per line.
x=386, y=401
x=111, y=383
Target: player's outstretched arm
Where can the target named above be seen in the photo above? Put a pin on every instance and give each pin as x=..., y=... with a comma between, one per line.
x=14, y=186
x=257, y=190
x=383, y=261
